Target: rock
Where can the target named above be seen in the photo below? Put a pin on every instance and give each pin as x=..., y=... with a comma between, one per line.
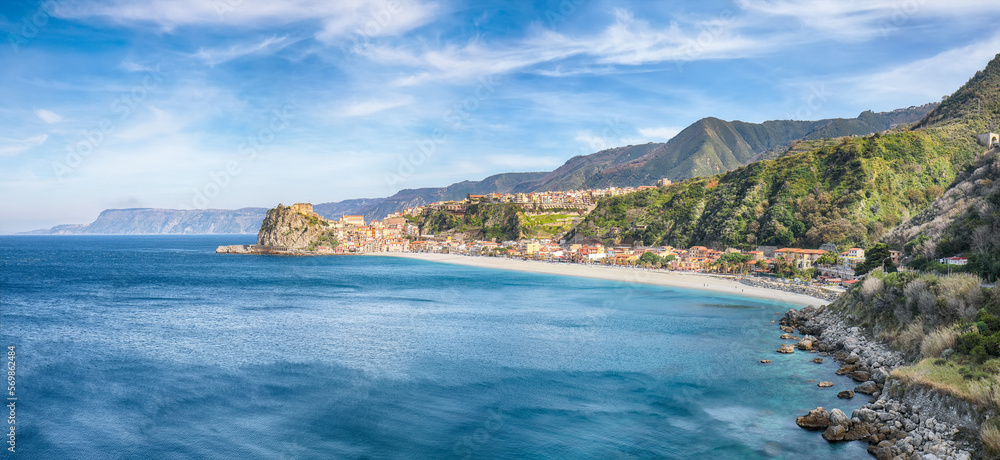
x=789, y=337
x=838, y=417
x=805, y=344
x=844, y=370
x=824, y=384
x=865, y=415
x=858, y=432
x=818, y=360
x=867, y=388
x=817, y=419
x=284, y=226
x=861, y=376
x=787, y=329
x=765, y=361
x=786, y=348
x=852, y=359
x=835, y=433
x=846, y=394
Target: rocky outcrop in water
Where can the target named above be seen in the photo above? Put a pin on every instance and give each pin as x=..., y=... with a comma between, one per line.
x=284, y=227
x=902, y=421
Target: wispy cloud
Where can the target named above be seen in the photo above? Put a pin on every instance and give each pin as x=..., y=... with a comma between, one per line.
x=11, y=147
x=863, y=19
x=339, y=18
x=48, y=116
x=626, y=42
x=220, y=55
x=923, y=79
x=365, y=108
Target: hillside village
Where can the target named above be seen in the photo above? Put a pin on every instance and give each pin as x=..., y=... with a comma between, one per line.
x=402, y=232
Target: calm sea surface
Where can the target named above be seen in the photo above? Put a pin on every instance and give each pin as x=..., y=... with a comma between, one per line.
x=156, y=347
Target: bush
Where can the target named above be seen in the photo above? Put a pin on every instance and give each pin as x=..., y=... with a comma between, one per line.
x=990, y=436
x=871, y=287
x=909, y=340
x=937, y=342
x=960, y=294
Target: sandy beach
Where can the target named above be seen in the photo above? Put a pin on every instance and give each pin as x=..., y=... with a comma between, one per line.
x=626, y=275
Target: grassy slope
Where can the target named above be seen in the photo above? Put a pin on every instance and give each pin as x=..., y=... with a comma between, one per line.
x=848, y=193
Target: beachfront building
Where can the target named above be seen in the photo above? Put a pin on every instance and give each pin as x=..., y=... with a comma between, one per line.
x=803, y=259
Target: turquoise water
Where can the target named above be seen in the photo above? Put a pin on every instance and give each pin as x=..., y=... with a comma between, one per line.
x=156, y=347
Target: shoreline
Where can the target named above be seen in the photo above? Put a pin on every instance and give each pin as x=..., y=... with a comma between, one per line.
x=698, y=281
x=900, y=420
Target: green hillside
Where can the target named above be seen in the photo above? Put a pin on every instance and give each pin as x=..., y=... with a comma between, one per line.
x=848, y=193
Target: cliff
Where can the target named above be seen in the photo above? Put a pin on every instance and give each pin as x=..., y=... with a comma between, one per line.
x=286, y=227
x=152, y=221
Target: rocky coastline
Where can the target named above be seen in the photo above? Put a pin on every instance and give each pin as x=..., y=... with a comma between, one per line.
x=899, y=422
x=813, y=291
x=263, y=250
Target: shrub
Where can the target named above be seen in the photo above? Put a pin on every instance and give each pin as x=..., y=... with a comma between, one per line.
x=871, y=287
x=960, y=294
x=940, y=362
x=990, y=435
x=909, y=339
x=937, y=342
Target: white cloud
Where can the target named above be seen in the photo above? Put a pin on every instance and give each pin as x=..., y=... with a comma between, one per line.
x=660, y=133
x=339, y=18
x=220, y=55
x=11, y=147
x=864, y=19
x=364, y=108
x=924, y=80
x=132, y=66
x=48, y=116
x=627, y=41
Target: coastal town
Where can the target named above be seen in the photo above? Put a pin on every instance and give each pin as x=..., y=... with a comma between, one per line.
x=401, y=233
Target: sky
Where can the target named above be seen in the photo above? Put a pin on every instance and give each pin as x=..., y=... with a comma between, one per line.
x=193, y=104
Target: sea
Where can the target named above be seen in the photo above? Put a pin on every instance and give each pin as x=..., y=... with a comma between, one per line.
x=134, y=347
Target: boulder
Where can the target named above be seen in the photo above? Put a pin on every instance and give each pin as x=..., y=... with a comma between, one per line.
x=817, y=419
x=835, y=433
x=865, y=415
x=786, y=348
x=824, y=384
x=805, y=344
x=787, y=329
x=789, y=337
x=765, y=361
x=852, y=359
x=861, y=376
x=858, y=432
x=838, y=417
x=846, y=394
x=844, y=370
x=867, y=388
x=818, y=360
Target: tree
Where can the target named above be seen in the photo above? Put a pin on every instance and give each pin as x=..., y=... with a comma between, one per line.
x=828, y=258
x=734, y=259
x=875, y=256
x=650, y=258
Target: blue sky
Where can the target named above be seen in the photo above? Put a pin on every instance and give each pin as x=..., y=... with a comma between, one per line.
x=233, y=103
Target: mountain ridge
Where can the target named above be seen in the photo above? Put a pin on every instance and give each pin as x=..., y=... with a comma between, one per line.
x=708, y=146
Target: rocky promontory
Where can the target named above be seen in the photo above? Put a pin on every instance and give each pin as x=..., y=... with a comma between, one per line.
x=901, y=421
